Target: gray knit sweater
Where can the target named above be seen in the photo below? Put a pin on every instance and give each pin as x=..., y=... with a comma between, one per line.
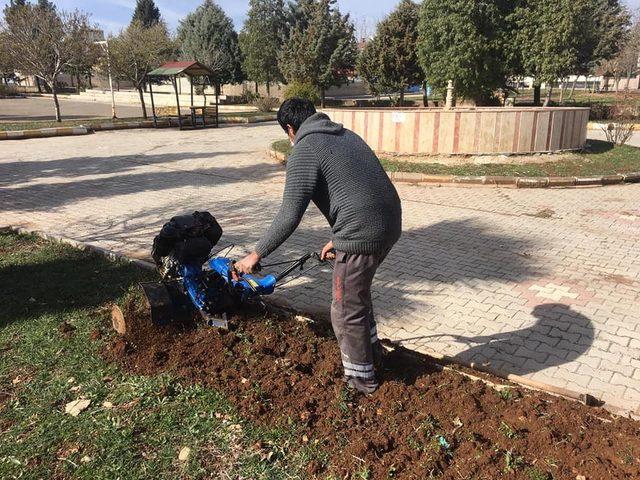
x=336, y=169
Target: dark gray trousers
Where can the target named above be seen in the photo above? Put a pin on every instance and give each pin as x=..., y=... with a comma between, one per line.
x=352, y=315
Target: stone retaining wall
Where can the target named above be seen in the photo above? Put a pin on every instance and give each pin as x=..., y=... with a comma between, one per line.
x=431, y=131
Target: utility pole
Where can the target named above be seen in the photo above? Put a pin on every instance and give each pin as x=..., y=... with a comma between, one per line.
x=105, y=45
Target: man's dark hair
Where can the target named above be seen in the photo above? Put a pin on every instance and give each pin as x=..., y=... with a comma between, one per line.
x=294, y=112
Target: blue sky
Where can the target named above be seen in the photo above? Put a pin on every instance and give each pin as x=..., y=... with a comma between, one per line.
x=112, y=15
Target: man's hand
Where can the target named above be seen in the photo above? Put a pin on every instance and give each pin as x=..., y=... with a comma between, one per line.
x=248, y=264
x=328, y=252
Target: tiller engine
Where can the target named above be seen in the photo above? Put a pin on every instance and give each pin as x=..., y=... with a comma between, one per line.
x=197, y=283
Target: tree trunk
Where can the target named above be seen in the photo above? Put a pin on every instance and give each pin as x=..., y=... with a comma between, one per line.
x=536, y=95
x=563, y=87
x=56, y=103
x=142, y=104
x=401, y=99
x=89, y=76
x=78, y=82
x=425, y=95
x=38, y=85
x=616, y=79
x=573, y=87
x=257, y=88
x=626, y=87
x=322, y=97
x=268, y=89
x=547, y=100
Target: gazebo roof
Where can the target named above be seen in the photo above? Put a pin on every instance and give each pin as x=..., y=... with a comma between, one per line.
x=191, y=68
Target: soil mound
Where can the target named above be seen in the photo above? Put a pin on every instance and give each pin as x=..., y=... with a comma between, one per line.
x=422, y=423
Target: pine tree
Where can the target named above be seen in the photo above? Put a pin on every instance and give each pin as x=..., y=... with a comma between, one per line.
x=207, y=35
x=261, y=40
x=46, y=5
x=389, y=62
x=13, y=6
x=321, y=47
x=466, y=41
x=146, y=13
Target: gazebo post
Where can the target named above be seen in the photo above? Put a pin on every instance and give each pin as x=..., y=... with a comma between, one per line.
x=217, y=90
x=193, y=112
x=191, y=83
x=153, y=105
x=175, y=87
x=189, y=69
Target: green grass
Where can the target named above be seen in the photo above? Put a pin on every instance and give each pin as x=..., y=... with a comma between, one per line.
x=12, y=126
x=600, y=159
x=579, y=96
x=41, y=369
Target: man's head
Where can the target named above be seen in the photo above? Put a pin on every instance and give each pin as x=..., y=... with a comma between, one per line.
x=293, y=113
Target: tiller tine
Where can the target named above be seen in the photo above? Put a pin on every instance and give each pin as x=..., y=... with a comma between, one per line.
x=166, y=303
x=221, y=322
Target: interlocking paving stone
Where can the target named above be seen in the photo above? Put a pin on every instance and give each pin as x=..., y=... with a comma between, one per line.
x=475, y=276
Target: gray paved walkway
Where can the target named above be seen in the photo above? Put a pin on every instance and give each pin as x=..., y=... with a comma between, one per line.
x=542, y=283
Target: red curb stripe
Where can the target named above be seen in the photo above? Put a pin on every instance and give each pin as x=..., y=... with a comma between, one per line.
x=477, y=127
x=497, y=132
x=574, y=137
x=562, y=128
x=456, y=133
x=516, y=136
x=534, y=133
x=550, y=129
x=436, y=133
x=416, y=132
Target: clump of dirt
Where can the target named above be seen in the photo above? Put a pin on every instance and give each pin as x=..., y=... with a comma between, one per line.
x=422, y=423
x=96, y=334
x=545, y=213
x=66, y=329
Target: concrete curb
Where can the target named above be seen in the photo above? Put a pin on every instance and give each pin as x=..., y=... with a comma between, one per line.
x=438, y=358
x=106, y=126
x=44, y=133
x=245, y=120
x=500, y=181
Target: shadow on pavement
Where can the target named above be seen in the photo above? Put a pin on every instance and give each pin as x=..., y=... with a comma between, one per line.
x=559, y=335
x=115, y=176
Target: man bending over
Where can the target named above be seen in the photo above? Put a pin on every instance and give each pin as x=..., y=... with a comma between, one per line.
x=334, y=168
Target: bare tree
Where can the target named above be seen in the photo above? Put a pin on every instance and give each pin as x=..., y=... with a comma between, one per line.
x=42, y=42
x=138, y=50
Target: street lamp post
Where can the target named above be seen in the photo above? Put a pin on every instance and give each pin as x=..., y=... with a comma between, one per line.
x=105, y=45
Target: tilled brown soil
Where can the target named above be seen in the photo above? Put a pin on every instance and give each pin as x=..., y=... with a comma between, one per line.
x=422, y=423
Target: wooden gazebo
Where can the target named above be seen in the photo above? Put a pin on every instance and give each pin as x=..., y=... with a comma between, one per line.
x=191, y=69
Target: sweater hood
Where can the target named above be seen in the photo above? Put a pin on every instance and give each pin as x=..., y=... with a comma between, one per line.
x=318, y=123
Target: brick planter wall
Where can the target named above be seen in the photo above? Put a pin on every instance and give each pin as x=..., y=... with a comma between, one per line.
x=431, y=131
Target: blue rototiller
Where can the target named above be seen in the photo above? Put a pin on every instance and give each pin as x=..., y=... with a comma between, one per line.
x=197, y=283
